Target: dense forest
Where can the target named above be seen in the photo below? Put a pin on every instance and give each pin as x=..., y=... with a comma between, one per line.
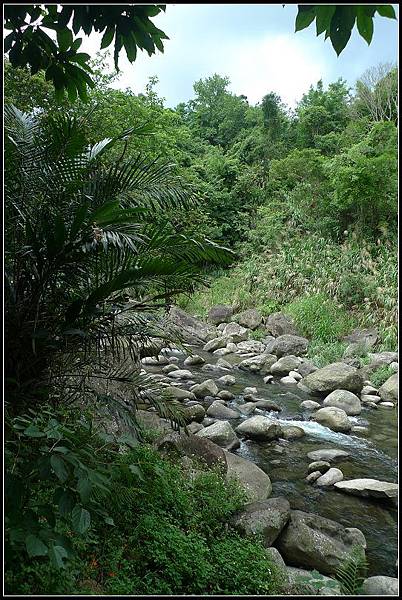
x=115, y=200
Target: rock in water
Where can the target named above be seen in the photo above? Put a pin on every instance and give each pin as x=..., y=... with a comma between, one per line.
x=206, y=388
x=369, y=488
x=260, y=428
x=345, y=400
x=265, y=517
x=217, y=410
x=221, y=433
x=194, y=360
x=328, y=454
x=254, y=481
x=313, y=542
x=330, y=477
x=389, y=390
x=334, y=418
x=333, y=377
x=285, y=364
x=380, y=585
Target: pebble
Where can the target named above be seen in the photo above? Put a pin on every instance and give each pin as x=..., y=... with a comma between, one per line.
x=313, y=476
x=388, y=404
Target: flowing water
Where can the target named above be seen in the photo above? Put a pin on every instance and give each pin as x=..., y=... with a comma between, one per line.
x=373, y=454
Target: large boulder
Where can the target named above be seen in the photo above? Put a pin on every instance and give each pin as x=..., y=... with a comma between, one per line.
x=194, y=359
x=178, y=393
x=380, y=585
x=267, y=404
x=285, y=364
x=333, y=377
x=280, y=324
x=220, y=313
x=180, y=374
x=377, y=360
x=328, y=454
x=195, y=412
x=292, y=432
x=260, y=428
x=221, y=433
x=389, y=390
x=217, y=343
x=236, y=332
x=206, y=388
x=334, y=418
x=289, y=344
x=193, y=330
x=367, y=337
x=226, y=380
x=306, y=367
x=194, y=446
x=253, y=480
x=345, y=400
x=369, y=488
x=218, y=410
x=260, y=363
x=265, y=517
x=315, y=542
x=250, y=318
x=153, y=361
x=332, y=476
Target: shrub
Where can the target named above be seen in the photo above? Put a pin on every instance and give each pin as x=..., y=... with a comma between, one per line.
x=325, y=353
x=381, y=375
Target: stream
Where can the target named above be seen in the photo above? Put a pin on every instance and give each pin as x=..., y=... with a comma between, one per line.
x=373, y=454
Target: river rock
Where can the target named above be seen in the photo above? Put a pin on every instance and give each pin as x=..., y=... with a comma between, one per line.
x=254, y=481
x=225, y=395
x=226, y=380
x=380, y=585
x=328, y=454
x=369, y=488
x=394, y=366
x=319, y=465
x=389, y=390
x=332, y=476
x=313, y=476
x=369, y=390
x=236, y=332
x=194, y=427
x=152, y=361
x=292, y=432
x=208, y=421
x=268, y=379
x=170, y=368
x=334, y=418
x=217, y=410
x=280, y=324
x=285, y=364
x=345, y=400
x=194, y=446
x=251, y=346
x=256, y=363
x=250, y=390
x=288, y=380
x=247, y=408
x=315, y=542
x=289, y=344
x=250, y=318
x=333, y=377
x=206, y=388
x=220, y=313
x=221, y=433
x=265, y=517
x=306, y=367
x=192, y=329
x=386, y=404
x=180, y=374
x=275, y=558
x=179, y=394
x=379, y=359
x=216, y=343
x=260, y=428
x=370, y=398
x=310, y=405
x=223, y=364
x=295, y=375
x=194, y=360
x=299, y=580
x=196, y=412
x=267, y=405
x=362, y=336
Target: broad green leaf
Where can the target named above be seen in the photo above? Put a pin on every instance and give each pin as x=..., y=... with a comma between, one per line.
x=364, y=24
x=33, y=431
x=108, y=37
x=324, y=14
x=109, y=520
x=81, y=519
x=84, y=488
x=341, y=27
x=66, y=503
x=305, y=17
x=35, y=546
x=59, y=467
x=386, y=10
x=64, y=39
x=57, y=554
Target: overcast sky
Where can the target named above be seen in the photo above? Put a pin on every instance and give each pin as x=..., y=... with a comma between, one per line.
x=255, y=46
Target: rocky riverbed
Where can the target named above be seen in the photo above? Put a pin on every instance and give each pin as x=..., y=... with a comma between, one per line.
x=324, y=439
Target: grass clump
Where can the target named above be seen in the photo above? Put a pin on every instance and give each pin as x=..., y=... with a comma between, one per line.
x=381, y=375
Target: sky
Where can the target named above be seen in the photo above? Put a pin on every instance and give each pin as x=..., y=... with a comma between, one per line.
x=254, y=45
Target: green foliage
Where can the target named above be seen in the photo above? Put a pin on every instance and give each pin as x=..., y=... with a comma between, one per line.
x=325, y=353
x=381, y=375
x=352, y=571
x=63, y=64
x=320, y=318
x=315, y=581
x=338, y=21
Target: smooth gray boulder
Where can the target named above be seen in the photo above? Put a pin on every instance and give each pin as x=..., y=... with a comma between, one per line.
x=334, y=418
x=170, y=368
x=363, y=336
x=226, y=380
x=285, y=364
x=313, y=476
x=369, y=488
x=280, y=324
x=328, y=454
x=254, y=481
x=310, y=405
x=334, y=377
x=250, y=346
x=389, y=390
x=260, y=428
x=220, y=313
x=194, y=359
x=380, y=585
x=206, y=388
x=292, y=432
x=306, y=367
x=265, y=517
x=315, y=542
x=365, y=398
x=217, y=410
x=267, y=405
x=275, y=558
x=153, y=361
x=193, y=330
x=319, y=465
x=236, y=332
x=288, y=380
x=216, y=343
x=179, y=394
x=180, y=374
x=223, y=364
x=345, y=400
x=194, y=446
x=250, y=390
x=225, y=395
x=222, y=434
x=250, y=318
x=289, y=344
x=332, y=476
x=261, y=363
x=196, y=412
x=247, y=408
